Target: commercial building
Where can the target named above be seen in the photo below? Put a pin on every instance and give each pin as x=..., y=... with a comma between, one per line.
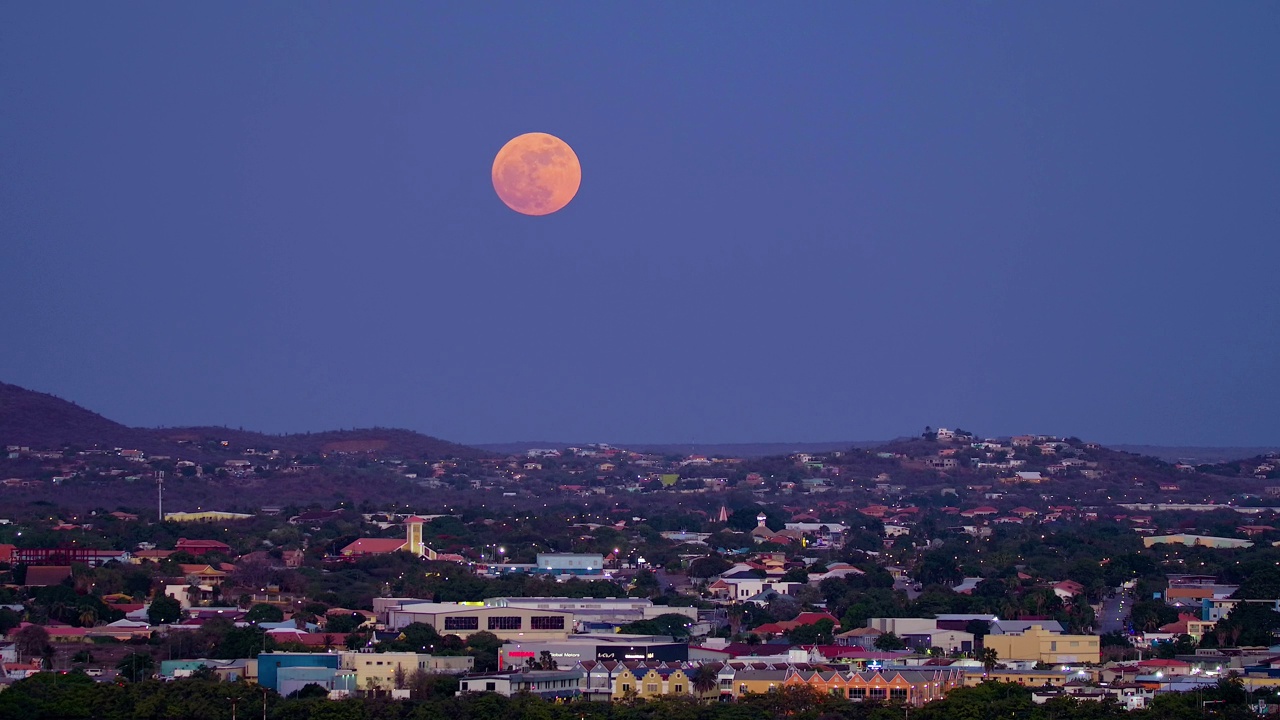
x=948, y=640
x=596, y=610
x=508, y=623
x=1040, y=645
x=903, y=626
x=589, y=647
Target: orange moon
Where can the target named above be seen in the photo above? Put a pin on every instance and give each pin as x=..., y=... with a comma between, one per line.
x=536, y=174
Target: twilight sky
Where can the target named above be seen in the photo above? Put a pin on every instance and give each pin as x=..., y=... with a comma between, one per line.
x=837, y=224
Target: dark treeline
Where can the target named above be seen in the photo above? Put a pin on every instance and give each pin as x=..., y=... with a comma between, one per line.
x=72, y=696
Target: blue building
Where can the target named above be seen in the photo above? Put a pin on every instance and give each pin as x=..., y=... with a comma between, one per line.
x=270, y=665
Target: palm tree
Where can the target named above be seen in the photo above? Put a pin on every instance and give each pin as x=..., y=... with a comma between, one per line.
x=989, y=659
x=89, y=617
x=735, y=613
x=705, y=680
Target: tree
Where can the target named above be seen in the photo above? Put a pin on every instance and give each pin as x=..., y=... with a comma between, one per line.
x=164, y=610
x=889, y=641
x=709, y=566
x=819, y=633
x=483, y=646
x=544, y=662
x=797, y=575
x=990, y=658
x=31, y=640
x=424, y=685
x=705, y=679
x=1246, y=624
x=1115, y=638
x=136, y=667
x=8, y=620
x=262, y=612
x=343, y=623
x=674, y=624
x=310, y=690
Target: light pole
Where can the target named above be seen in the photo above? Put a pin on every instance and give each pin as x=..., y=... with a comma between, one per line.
x=233, y=706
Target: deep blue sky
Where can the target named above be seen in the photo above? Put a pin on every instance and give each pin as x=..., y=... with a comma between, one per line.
x=840, y=223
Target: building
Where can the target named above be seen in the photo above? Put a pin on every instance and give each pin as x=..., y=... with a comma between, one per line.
x=642, y=681
x=378, y=670
x=508, y=623
x=205, y=516
x=903, y=626
x=67, y=555
x=1034, y=678
x=908, y=686
x=595, y=647
x=411, y=543
x=949, y=640
x=618, y=611
x=272, y=664
x=1208, y=541
x=1040, y=645
x=546, y=684
x=201, y=547
x=571, y=563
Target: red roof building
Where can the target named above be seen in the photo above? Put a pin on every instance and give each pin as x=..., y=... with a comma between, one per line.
x=201, y=547
x=373, y=546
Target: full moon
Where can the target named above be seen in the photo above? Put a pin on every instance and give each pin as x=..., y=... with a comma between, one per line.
x=536, y=174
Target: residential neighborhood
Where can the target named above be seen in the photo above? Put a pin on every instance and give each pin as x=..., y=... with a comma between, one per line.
x=877, y=575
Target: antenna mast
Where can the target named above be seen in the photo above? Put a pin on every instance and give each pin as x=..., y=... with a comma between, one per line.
x=160, y=494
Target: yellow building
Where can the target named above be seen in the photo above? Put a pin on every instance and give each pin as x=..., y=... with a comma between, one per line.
x=378, y=670
x=1030, y=678
x=645, y=682
x=1208, y=541
x=204, y=516
x=1036, y=643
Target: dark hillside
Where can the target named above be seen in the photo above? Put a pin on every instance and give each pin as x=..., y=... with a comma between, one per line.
x=39, y=420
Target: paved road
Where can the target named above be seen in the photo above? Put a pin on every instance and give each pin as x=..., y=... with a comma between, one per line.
x=1115, y=612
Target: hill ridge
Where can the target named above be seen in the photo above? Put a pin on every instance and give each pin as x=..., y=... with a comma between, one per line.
x=35, y=419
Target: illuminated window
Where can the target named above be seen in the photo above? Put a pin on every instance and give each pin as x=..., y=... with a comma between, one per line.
x=546, y=622
x=462, y=623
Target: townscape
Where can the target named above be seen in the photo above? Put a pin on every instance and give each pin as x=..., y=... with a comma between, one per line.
x=912, y=574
